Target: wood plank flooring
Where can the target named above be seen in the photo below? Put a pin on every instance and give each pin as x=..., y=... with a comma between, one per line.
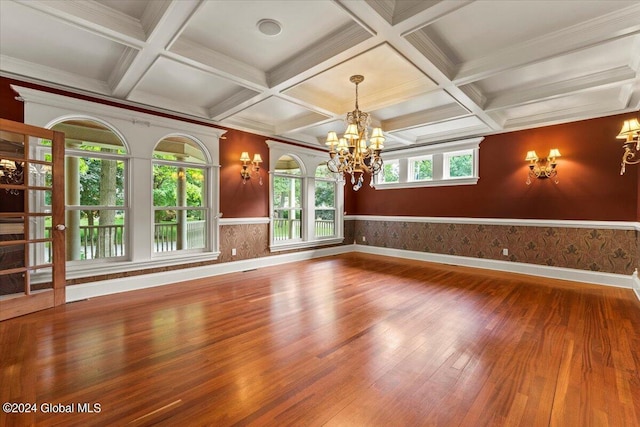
x=350, y=340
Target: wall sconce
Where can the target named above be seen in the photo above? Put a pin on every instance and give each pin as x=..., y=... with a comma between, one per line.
x=542, y=167
x=250, y=167
x=630, y=132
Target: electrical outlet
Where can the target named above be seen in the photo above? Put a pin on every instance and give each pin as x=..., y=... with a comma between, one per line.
x=364, y=238
x=505, y=252
x=233, y=252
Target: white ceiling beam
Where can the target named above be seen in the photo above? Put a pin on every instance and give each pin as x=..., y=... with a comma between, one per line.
x=221, y=65
x=174, y=18
x=46, y=74
x=324, y=49
x=621, y=23
x=512, y=98
x=95, y=18
x=235, y=103
x=432, y=115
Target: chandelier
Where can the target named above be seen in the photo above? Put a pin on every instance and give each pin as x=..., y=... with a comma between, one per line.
x=630, y=132
x=351, y=154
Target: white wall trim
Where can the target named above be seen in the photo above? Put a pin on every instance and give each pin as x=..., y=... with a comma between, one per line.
x=125, y=284
x=613, y=225
x=595, y=277
x=239, y=221
x=106, y=287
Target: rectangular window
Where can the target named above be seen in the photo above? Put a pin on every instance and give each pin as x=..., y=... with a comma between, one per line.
x=458, y=164
x=179, y=208
x=421, y=168
x=325, y=215
x=287, y=208
x=96, y=214
x=390, y=172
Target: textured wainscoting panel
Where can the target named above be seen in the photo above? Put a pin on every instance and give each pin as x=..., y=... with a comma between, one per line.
x=604, y=250
x=249, y=240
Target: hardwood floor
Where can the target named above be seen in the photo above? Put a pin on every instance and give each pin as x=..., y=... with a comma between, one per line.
x=350, y=340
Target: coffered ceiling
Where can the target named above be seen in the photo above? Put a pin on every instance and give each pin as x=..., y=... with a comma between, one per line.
x=435, y=70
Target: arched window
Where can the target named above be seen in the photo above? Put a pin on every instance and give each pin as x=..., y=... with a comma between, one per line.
x=325, y=202
x=95, y=190
x=307, y=200
x=180, y=202
x=287, y=199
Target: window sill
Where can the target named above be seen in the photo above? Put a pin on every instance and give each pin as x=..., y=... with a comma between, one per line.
x=102, y=267
x=432, y=183
x=279, y=247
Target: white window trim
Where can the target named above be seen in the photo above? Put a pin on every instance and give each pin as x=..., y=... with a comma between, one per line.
x=437, y=151
x=45, y=109
x=310, y=159
x=206, y=169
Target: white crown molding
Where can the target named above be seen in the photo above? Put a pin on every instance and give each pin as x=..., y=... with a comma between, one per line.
x=108, y=111
x=146, y=98
x=205, y=59
x=242, y=221
x=153, y=14
x=580, y=112
x=432, y=115
x=602, y=225
x=580, y=36
x=44, y=73
x=298, y=124
x=384, y=8
x=251, y=125
x=431, y=51
x=583, y=276
x=122, y=67
x=475, y=94
x=322, y=50
x=233, y=104
x=526, y=95
x=95, y=18
x=465, y=132
x=406, y=22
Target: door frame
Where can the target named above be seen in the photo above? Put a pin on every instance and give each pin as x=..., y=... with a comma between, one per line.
x=28, y=302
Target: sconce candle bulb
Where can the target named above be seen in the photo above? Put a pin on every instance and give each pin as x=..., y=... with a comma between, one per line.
x=250, y=167
x=630, y=132
x=541, y=168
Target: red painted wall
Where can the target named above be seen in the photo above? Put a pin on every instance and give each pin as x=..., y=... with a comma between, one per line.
x=238, y=200
x=10, y=108
x=590, y=187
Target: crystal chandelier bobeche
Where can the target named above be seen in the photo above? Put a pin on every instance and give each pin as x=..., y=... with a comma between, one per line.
x=351, y=154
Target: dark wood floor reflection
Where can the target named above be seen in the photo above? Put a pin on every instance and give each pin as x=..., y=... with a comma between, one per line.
x=350, y=340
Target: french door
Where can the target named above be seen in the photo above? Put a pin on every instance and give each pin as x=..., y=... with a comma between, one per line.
x=32, y=240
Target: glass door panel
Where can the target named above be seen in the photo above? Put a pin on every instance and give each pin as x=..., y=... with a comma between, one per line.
x=31, y=219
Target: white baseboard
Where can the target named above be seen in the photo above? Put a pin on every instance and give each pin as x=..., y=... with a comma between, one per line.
x=106, y=287
x=125, y=284
x=596, y=277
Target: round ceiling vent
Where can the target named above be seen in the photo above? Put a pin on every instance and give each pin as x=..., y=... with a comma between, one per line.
x=269, y=27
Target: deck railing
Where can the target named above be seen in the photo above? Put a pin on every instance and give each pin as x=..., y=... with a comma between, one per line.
x=286, y=229
x=105, y=241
